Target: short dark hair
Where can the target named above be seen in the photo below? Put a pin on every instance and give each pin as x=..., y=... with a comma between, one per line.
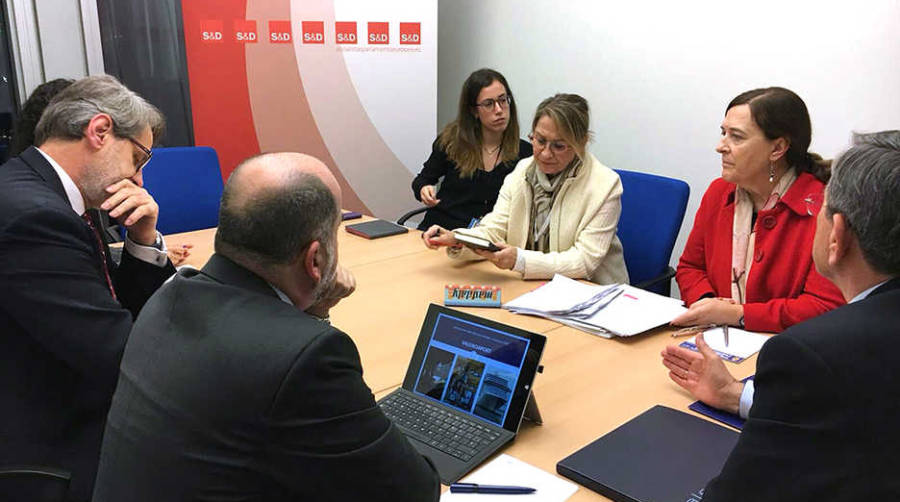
x=780, y=113
x=865, y=188
x=23, y=131
x=275, y=225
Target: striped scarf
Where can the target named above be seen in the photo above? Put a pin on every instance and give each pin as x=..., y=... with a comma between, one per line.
x=544, y=190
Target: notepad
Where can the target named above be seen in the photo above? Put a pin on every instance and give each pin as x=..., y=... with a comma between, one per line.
x=741, y=344
x=507, y=470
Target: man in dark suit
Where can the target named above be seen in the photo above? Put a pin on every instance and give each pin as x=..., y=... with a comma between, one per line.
x=234, y=385
x=825, y=417
x=65, y=308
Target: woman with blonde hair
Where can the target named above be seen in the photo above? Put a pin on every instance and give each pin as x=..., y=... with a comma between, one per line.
x=557, y=211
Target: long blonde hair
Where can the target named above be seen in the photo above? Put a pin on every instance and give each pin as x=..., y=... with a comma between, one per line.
x=461, y=139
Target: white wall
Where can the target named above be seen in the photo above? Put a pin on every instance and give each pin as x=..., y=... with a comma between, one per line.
x=658, y=75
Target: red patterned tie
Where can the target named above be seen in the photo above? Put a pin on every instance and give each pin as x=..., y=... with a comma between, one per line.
x=99, y=242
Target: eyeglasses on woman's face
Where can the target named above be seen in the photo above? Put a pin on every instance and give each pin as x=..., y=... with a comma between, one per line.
x=540, y=143
x=488, y=104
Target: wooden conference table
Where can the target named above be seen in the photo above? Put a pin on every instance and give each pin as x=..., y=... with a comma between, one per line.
x=590, y=385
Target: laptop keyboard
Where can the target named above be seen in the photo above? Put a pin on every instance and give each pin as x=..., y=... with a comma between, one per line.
x=431, y=424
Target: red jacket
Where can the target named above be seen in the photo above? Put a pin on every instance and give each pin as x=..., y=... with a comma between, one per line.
x=783, y=287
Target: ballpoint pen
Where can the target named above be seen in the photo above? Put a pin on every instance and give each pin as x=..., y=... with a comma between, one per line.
x=693, y=330
x=495, y=489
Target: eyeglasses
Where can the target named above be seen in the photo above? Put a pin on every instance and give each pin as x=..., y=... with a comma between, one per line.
x=140, y=159
x=503, y=100
x=557, y=147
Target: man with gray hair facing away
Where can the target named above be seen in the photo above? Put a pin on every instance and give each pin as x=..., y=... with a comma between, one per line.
x=825, y=415
x=234, y=385
x=65, y=308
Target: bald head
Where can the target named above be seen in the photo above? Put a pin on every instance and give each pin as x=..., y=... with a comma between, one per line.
x=274, y=205
x=274, y=171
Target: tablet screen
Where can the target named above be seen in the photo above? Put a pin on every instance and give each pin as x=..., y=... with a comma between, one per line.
x=471, y=366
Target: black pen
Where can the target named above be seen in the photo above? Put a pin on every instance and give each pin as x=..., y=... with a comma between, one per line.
x=496, y=489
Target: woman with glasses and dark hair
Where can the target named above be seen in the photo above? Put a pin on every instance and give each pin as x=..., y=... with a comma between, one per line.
x=747, y=261
x=473, y=154
x=557, y=211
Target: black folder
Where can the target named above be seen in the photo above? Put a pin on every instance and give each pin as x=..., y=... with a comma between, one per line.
x=376, y=228
x=662, y=455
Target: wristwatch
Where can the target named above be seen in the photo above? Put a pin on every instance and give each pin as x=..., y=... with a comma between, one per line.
x=741, y=322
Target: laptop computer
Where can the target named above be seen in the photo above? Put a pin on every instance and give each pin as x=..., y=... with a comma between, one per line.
x=466, y=389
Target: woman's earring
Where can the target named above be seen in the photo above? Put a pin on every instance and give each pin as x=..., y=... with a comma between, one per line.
x=771, y=172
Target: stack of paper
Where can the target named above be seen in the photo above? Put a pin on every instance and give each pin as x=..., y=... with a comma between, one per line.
x=619, y=309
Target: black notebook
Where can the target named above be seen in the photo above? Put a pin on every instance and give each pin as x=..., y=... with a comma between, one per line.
x=662, y=455
x=376, y=228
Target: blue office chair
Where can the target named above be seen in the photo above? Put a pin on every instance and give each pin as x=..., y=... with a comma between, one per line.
x=186, y=182
x=652, y=210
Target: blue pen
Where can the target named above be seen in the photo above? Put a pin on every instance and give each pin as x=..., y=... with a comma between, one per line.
x=495, y=489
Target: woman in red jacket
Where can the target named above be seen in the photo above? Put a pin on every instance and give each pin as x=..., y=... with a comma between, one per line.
x=748, y=259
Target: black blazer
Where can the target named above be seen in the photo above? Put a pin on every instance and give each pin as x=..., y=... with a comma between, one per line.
x=228, y=393
x=825, y=421
x=461, y=198
x=61, y=332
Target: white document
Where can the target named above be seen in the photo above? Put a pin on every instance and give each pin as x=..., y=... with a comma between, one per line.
x=630, y=311
x=635, y=311
x=561, y=295
x=741, y=344
x=510, y=471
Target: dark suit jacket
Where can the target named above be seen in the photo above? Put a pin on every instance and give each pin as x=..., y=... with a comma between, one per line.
x=61, y=332
x=825, y=421
x=228, y=393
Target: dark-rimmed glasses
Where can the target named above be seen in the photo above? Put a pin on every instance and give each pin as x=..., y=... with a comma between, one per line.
x=503, y=100
x=557, y=147
x=145, y=155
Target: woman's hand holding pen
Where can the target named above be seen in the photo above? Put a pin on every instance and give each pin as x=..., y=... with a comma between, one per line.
x=711, y=311
x=437, y=236
x=179, y=254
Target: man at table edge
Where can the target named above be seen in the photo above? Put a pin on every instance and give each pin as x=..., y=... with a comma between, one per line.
x=822, y=422
x=235, y=385
x=67, y=308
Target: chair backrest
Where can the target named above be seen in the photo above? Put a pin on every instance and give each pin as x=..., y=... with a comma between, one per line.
x=33, y=484
x=186, y=182
x=652, y=210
